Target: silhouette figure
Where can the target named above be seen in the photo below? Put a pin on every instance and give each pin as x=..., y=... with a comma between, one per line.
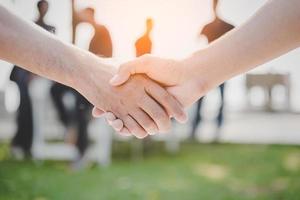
x=22, y=141
x=101, y=43
x=144, y=45
x=79, y=117
x=43, y=7
x=213, y=31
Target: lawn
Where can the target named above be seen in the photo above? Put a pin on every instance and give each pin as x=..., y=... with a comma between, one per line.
x=199, y=171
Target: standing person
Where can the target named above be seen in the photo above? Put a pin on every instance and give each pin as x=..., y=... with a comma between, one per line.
x=144, y=45
x=212, y=31
x=22, y=141
x=79, y=117
x=100, y=45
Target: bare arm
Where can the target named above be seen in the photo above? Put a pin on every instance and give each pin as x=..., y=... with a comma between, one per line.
x=143, y=105
x=29, y=46
x=273, y=31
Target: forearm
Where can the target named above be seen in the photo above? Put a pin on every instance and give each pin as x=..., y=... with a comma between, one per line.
x=271, y=32
x=38, y=51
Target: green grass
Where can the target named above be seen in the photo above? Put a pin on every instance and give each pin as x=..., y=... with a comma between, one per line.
x=197, y=172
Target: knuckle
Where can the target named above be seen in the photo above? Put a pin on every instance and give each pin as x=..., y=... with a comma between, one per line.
x=158, y=115
x=120, y=112
x=167, y=98
x=142, y=100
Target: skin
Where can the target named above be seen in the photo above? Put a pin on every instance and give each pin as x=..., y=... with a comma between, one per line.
x=273, y=31
x=143, y=105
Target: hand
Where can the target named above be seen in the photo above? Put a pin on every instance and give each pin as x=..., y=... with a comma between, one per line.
x=187, y=94
x=165, y=71
x=141, y=104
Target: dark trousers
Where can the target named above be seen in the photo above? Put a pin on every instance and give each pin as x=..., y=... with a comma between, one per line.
x=220, y=116
x=24, y=135
x=79, y=116
x=83, y=116
x=66, y=116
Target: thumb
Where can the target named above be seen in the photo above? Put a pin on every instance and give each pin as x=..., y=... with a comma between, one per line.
x=137, y=66
x=96, y=112
x=122, y=76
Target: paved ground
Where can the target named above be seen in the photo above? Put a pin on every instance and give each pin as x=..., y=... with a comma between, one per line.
x=245, y=127
x=268, y=128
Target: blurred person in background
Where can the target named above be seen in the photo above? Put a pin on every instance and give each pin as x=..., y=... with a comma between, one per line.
x=212, y=32
x=22, y=141
x=77, y=118
x=101, y=43
x=144, y=44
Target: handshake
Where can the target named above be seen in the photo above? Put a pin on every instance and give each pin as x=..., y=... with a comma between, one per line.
x=143, y=96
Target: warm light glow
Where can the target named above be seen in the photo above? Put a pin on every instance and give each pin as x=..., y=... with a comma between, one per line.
x=175, y=31
x=177, y=24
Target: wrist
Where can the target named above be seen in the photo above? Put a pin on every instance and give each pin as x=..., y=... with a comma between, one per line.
x=90, y=77
x=184, y=69
x=205, y=68
x=85, y=68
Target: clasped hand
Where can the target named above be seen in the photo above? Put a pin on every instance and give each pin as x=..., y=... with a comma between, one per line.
x=179, y=92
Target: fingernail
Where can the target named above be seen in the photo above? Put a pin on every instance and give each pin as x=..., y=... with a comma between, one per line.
x=152, y=133
x=182, y=118
x=125, y=134
x=110, y=117
x=115, y=80
x=140, y=136
x=96, y=116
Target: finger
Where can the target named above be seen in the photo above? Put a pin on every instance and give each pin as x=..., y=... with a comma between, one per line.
x=166, y=100
x=133, y=127
x=125, y=132
x=157, y=113
x=144, y=121
x=130, y=68
x=117, y=125
x=110, y=117
x=96, y=112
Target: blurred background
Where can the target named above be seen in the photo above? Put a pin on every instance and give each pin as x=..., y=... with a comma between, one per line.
x=241, y=142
